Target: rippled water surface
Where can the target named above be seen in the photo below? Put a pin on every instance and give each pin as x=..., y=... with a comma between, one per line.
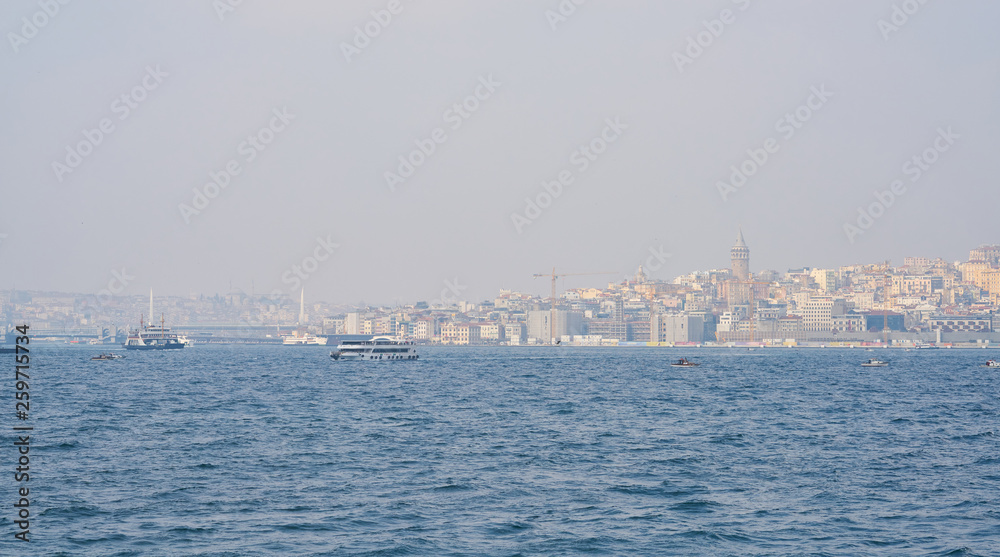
x=278, y=450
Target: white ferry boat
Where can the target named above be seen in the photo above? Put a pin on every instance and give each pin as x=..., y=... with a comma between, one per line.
x=378, y=348
x=152, y=337
x=303, y=340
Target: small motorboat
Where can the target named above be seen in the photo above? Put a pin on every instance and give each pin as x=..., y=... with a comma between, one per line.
x=875, y=362
x=109, y=356
x=684, y=362
x=992, y=363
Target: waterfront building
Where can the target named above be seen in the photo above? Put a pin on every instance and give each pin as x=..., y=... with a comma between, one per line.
x=849, y=322
x=461, y=334
x=677, y=327
x=608, y=329
x=876, y=321
x=425, y=329
x=817, y=314
x=491, y=332
x=566, y=323
x=961, y=323
x=515, y=332
x=352, y=324
x=639, y=330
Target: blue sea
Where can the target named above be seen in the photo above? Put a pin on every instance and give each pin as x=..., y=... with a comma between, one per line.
x=273, y=450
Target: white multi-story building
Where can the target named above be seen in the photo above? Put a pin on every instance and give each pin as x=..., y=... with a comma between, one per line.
x=566, y=323
x=352, y=324
x=676, y=327
x=818, y=312
x=492, y=332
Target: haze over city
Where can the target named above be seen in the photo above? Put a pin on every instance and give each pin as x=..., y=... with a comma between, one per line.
x=404, y=144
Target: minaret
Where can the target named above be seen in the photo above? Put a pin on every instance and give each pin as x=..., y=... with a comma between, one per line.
x=302, y=307
x=740, y=255
x=150, y=305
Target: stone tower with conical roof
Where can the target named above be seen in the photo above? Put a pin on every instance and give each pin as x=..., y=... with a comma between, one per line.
x=740, y=255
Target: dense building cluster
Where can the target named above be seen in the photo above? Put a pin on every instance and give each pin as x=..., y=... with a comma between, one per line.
x=924, y=300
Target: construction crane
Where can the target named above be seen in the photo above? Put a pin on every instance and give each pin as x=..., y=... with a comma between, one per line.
x=552, y=310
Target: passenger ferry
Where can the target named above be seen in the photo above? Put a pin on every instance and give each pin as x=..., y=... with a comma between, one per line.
x=303, y=340
x=151, y=337
x=378, y=348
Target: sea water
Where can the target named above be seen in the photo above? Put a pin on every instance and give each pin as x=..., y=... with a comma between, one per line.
x=275, y=450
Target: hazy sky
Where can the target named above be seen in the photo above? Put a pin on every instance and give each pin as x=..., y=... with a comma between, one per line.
x=627, y=79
